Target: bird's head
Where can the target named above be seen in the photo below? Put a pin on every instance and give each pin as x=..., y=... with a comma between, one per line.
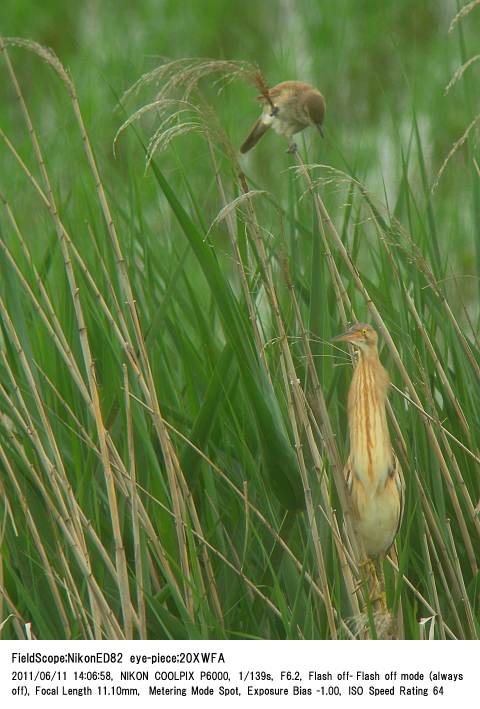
x=361, y=335
x=314, y=106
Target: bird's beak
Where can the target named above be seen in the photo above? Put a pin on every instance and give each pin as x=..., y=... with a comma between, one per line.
x=348, y=336
x=320, y=130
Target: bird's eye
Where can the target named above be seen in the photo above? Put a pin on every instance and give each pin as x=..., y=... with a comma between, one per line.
x=364, y=332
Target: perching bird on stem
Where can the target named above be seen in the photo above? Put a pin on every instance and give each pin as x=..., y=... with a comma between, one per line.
x=288, y=108
x=373, y=474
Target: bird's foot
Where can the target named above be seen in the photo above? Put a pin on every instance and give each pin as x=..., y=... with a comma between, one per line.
x=292, y=148
x=359, y=586
x=376, y=592
x=379, y=598
x=368, y=566
x=367, y=573
x=275, y=111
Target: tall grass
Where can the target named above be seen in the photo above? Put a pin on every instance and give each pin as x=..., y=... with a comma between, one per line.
x=172, y=412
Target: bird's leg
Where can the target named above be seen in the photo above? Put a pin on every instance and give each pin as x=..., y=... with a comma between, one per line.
x=381, y=577
x=378, y=593
x=366, y=568
x=374, y=578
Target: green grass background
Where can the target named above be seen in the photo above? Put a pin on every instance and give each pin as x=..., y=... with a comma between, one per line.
x=86, y=552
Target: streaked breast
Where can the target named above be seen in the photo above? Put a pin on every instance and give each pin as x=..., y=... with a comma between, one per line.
x=370, y=448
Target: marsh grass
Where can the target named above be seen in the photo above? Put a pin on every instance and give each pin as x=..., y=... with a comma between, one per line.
x=173, y=414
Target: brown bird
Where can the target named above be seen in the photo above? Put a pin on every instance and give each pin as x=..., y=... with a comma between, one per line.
x=292, y=107
x=373, y=474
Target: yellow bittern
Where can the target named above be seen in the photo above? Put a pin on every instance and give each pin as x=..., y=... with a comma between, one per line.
x=373, y=474
x=289, y=107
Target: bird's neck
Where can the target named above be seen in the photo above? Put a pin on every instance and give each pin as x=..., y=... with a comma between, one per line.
x=370, y=448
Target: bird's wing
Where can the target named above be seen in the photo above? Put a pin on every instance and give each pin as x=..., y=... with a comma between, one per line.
x=258, y=129
x=396, y=473
x=350, y=479
x=348, y=475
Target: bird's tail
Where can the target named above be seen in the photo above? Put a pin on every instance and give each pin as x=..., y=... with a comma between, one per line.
x=258, y=129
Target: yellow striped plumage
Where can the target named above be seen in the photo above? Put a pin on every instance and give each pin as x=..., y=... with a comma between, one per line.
x=373, y=473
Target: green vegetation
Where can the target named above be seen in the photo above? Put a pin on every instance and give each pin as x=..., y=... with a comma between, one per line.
x=172, y=412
